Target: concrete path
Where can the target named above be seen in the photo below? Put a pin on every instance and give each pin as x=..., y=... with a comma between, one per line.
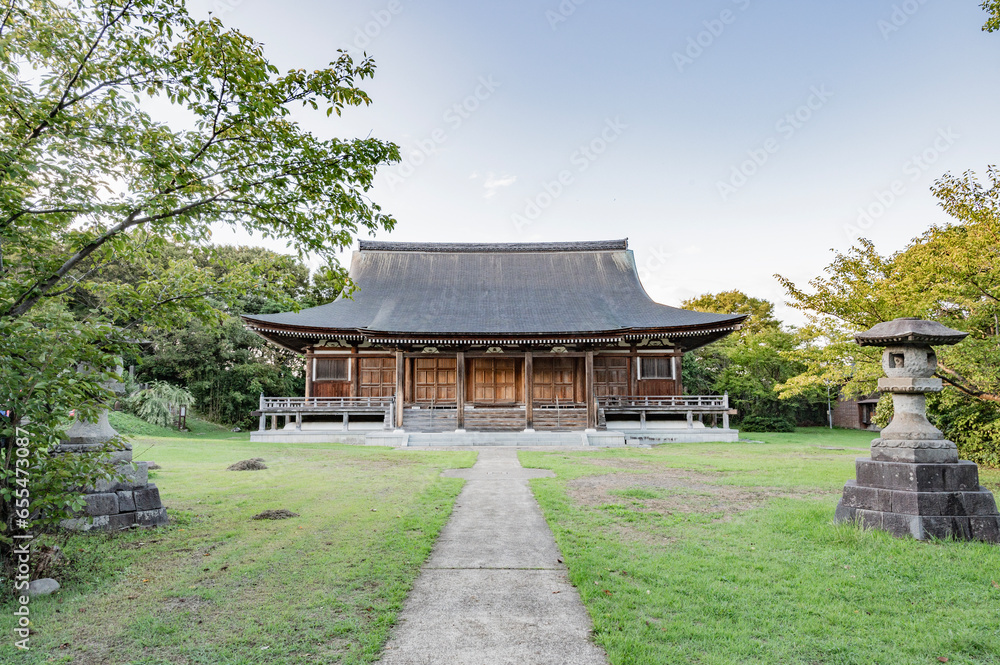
x=494, y=591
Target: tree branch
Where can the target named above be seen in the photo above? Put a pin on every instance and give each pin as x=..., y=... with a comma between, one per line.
x=8, y=11
x=957, y=381
x=62, y=103
x=29, y=211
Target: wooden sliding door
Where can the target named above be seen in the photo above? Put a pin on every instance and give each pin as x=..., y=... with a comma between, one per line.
x=435, y=380
x=378, y=376
x=555, y=378
x=611, y=375
x=494, y=380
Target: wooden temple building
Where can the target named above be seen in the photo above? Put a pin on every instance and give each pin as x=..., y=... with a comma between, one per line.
x=498, y=338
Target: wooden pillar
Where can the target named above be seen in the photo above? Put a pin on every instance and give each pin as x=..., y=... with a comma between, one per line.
x=400, y=387
x=355, y=372
x=309, y=373
x=633, y=373
x=588, y=381
x=460, y=391
x=678, y=361
x=529, y=391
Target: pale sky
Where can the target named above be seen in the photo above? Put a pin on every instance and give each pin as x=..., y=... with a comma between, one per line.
x=728, y=140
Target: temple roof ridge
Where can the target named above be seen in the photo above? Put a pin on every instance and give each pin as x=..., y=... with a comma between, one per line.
x=494, y=248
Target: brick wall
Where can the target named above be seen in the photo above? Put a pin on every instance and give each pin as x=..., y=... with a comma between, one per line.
x=846, y=414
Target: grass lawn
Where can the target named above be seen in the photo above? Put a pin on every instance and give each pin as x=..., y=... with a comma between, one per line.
x=727, y=553
x=217, y=587
x=138, y=429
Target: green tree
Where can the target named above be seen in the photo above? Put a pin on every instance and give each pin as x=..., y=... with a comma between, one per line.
x=224, y=365
x=761, y=311
x=751, y=364
x=993, y=23
x=950, y=274
x=126, y=126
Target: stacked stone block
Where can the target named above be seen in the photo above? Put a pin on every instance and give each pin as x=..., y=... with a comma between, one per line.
x=113, y=505
x=921, y=500
x=117, y=505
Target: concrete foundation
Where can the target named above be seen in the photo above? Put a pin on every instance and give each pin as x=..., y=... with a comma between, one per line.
x=600, y=439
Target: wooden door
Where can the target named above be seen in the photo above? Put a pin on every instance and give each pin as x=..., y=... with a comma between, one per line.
x=610, y=375
x=435, y=380
x=494, y=380
x=378, y=377
x=666, y=379
x=555, y=378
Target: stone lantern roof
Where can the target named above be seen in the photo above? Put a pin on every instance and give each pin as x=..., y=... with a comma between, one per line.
x=909, y=331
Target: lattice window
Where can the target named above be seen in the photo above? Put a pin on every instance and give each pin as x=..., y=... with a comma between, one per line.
x=332, y=369
x=656, y=368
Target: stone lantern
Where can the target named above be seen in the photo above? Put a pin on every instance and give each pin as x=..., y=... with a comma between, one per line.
x=112, y=505
x=914, y=484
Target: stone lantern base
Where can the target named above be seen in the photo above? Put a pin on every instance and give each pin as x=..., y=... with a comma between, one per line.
x=935, y=500
x=117, y=504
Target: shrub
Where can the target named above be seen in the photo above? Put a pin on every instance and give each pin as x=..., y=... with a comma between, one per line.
x=974, y=425
x=767, y=424
x=154, y=404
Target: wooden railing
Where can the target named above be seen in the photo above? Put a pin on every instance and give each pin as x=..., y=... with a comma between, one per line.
x=689, y=405
x=291, y=409
x=271, y=403
x=665, y=402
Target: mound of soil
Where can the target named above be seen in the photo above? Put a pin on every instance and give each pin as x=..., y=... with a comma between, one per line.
x=255, y=464
x=279, y=514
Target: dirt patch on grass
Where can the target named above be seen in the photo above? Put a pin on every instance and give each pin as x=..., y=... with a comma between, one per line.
x=624, y=463
x=188, y=604
x=280, y=514
x=255, y=464
x=670, y=491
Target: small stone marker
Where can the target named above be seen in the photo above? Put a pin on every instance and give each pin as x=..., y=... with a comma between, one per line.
x=914, y=483
x=42, y=587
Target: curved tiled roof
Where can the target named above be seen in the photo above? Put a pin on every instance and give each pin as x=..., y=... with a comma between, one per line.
x=576, y=288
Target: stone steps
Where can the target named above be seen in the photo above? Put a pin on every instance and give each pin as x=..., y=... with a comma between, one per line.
x=499, y=419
